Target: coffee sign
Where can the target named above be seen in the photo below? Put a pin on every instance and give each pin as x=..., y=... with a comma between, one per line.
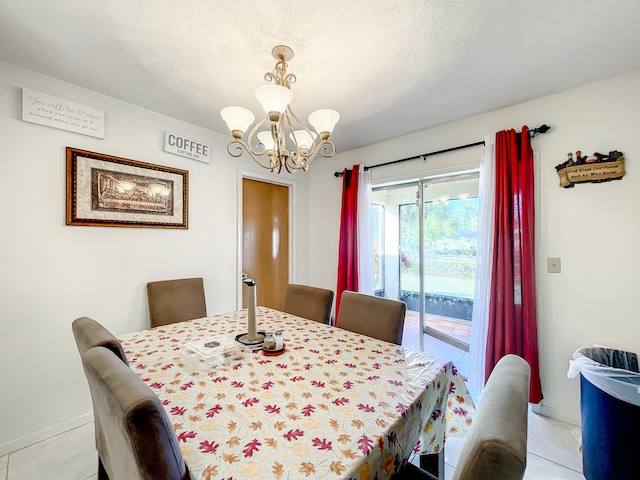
x=186, y=147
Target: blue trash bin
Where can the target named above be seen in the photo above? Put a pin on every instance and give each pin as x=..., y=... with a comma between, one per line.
x=610, y=413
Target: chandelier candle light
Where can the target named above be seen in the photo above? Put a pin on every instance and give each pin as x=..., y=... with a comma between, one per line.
x=268, y=138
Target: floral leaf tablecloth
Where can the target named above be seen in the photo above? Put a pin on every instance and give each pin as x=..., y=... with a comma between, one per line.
x=335, y=404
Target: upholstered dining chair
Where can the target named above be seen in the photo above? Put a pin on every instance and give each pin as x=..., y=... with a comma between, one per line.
x=308, y=302
x=139, y=438
x=496, y=445
x=173, y=301
x=89, y=333
x=377, y=317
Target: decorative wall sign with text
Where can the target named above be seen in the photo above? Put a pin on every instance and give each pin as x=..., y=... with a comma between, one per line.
x=185, y=147
x=56, y=112
x=591, y=169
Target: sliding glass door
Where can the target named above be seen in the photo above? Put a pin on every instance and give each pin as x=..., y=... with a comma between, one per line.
x=425, y=245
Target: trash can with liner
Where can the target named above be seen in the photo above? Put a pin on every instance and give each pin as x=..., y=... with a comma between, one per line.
x=610, y=412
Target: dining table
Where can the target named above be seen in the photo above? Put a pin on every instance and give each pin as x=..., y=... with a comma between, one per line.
x=334, y=404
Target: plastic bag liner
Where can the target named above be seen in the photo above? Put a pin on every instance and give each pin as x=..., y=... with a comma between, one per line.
x=612, y=371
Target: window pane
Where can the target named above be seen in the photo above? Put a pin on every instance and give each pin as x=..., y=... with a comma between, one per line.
x=450, y=234
x=409, y=253
x=450, y=247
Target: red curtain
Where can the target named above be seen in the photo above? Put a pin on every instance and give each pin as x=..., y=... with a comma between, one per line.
x=512, y=307
x=348, y=247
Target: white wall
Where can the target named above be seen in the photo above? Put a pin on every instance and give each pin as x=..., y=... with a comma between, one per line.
x=594, y=228
x=52, y=273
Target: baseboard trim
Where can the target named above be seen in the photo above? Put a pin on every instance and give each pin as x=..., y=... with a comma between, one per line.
x=35, y=437
x=556, y=415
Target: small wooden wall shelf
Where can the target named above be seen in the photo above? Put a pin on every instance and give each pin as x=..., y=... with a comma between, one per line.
x=593, y=172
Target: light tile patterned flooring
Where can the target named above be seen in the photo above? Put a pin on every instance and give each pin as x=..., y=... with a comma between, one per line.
x=553, y=448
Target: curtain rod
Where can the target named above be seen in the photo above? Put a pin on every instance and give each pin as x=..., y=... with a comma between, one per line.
x=532, y=133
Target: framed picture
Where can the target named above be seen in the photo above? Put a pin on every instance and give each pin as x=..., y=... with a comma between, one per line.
x=108, y=191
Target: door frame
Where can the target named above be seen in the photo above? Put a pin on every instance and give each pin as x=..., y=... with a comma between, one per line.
x=292, y=186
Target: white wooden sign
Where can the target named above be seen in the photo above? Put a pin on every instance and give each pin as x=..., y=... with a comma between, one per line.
x=185, y=147
x=56, y=112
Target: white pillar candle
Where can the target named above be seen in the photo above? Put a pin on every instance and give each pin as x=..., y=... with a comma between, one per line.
x=252, y=327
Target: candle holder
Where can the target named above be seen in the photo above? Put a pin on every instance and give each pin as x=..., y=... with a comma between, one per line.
x=253, y=339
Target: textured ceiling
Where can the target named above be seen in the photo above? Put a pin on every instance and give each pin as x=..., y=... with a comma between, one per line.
x=389, y=67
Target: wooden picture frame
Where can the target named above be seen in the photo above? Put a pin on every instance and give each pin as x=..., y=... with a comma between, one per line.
x=108, y=191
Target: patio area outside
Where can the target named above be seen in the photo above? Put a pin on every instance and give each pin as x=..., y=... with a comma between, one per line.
x=450, y=330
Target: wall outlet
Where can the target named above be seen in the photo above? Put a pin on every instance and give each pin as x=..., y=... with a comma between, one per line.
x=553, y=264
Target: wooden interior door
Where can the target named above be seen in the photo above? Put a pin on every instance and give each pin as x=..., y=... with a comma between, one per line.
x=265, y=240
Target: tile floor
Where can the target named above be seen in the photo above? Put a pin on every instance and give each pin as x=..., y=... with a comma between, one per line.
x=553, y=448
x=68, y=456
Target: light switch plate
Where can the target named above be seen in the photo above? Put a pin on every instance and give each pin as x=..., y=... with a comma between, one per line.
x=553, y=264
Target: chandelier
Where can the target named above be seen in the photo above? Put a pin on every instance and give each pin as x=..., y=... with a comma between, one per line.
x=280, y=139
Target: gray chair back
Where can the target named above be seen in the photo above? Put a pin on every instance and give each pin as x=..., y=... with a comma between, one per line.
x=377, y=317
x=308, y=302
x=173, y=301
x=89, y=333
x=142, y=444
x=496, y=445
